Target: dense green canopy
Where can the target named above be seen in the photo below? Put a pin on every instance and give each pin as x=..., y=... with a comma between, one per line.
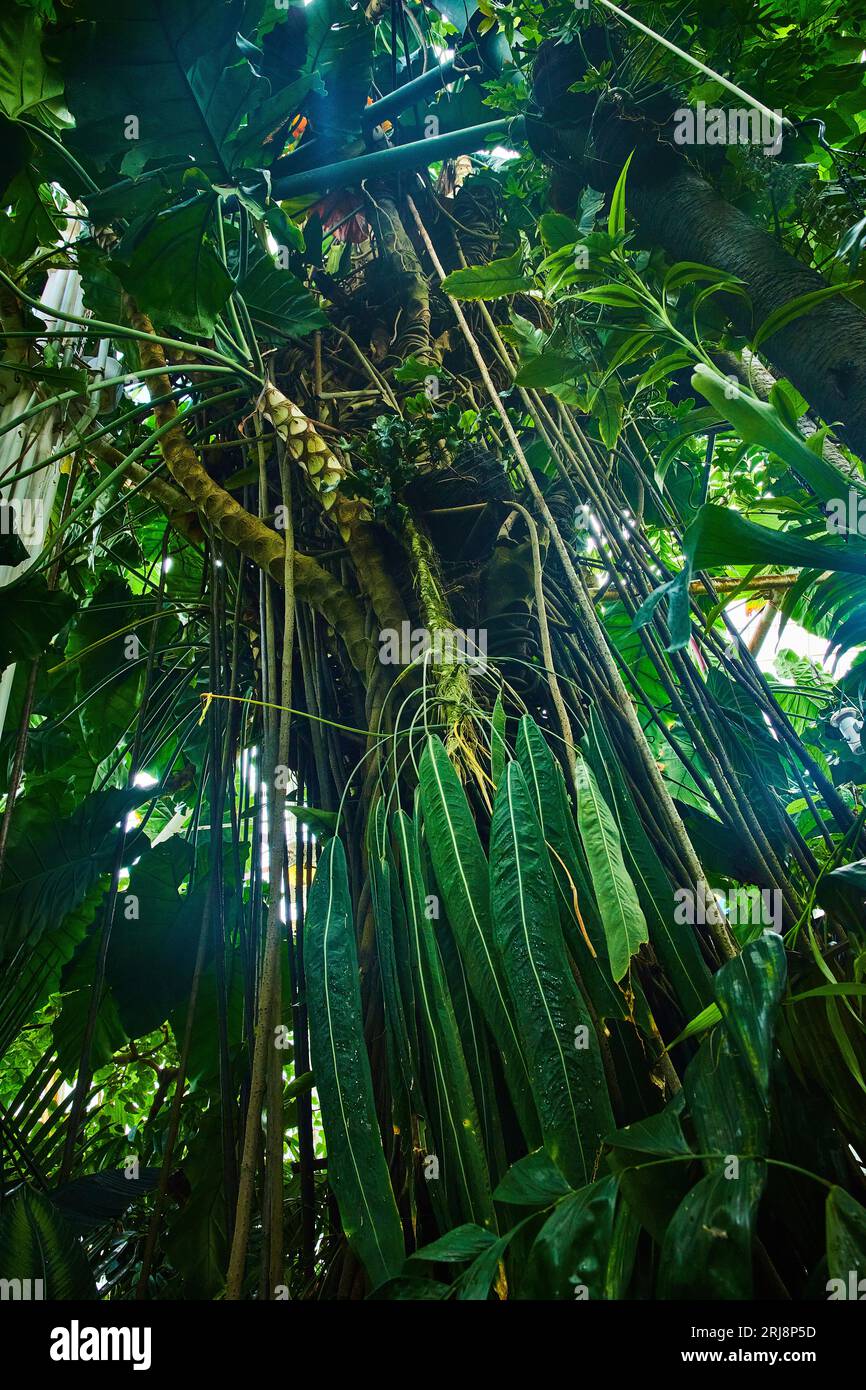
x=432, y=554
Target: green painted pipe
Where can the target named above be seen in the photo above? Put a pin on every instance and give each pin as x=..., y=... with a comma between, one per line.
x=350, y=172
x=409, y=93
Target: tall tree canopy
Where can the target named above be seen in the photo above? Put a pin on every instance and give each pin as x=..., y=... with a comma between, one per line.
x=433, y=857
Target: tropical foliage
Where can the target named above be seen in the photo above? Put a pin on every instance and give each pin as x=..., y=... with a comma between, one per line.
x=433, y=649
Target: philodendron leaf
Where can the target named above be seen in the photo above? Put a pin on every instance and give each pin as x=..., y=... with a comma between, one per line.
x=53, y=862
x=26, y=80
x=560, y=1044
x=173, y=272
x=489, y=281
x=624, y=923
x=280, y=305
x=357, y=1171
x=32, y=615
x=37, y=1244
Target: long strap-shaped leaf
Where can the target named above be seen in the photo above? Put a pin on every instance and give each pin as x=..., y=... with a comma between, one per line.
x=624, y=923
x=382, y=889
x=461, y=872
x=676, y=946
x=549, y=798
x=357, y=1172
x=455, y=1115
x=560, y=1044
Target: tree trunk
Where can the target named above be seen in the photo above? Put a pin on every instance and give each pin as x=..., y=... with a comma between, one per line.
x=823, y=352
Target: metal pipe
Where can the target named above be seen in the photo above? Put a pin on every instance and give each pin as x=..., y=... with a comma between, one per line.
x=401, y=97
x=349, y=173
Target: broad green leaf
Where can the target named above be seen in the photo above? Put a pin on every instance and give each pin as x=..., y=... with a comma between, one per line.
x=719, y=536
x=621, y=913
x=279, y=304
x=357, y=1171
x=32, y=615
x=707, y=1018
x=759, y=422
x=607, y=407
x=382, y=887
x=693, y=273
x=846, y=1241
x=574, y=1256
x=31, y=223
x=533, y=1181
x=727, y=1110
x=463, y=1243
x=107, y=682
x=25, y=989
x=37, y=1243
x=197, y=1241
x=151, y=958
x=172, y=270
x=180, y=60
x=476, y=1282
x=707, y=1250
x=322, y=823
x=662, y=368
x=97, y=1198
x=26, y=80
x=559, y=1041
x=53, y=862
x=68, y=1028
x=489, y=281
x=748, y=992
x=548, y=369
x=617, y=296
x=653, y=1189
x=557, y=230
x=461, y=873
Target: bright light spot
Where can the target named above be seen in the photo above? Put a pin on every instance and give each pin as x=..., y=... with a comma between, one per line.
x=794, y=636
x=144, y=779
x=167, y=564
x=502, y=154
